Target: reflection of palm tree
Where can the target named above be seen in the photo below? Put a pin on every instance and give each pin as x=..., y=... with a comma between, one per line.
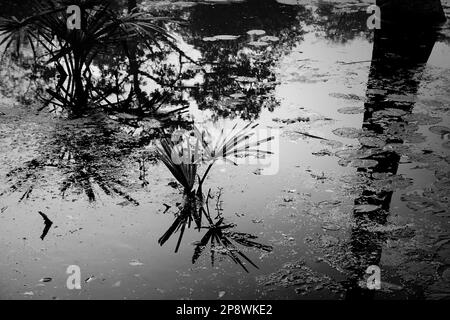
x=73, y=52
x=191, y=211
x=399, y=55
x=90, y=156
x=218, y=235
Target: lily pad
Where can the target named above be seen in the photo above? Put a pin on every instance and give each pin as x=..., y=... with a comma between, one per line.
x=135, y=263
x=422, y=118
x=349, y=96
x=363, y=163
x=269, y=39
x=372, y=142
x=366, y=208
x=221, y=37
x=351, y=110
x=389, y=112
x=439, y=130
x=332, y=143
x=256, y=32
x=420, y=203
x=258, y=43
x=351, y=133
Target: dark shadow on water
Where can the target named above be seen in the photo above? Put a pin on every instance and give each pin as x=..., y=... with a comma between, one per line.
x=399, y=57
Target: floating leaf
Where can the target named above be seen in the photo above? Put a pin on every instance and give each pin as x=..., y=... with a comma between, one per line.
x=221, y=37
x=256, y=32
x=440, y=130
x=389, y=112
x=351, y=110
x=258, y=43
x=365, y=208
x=363, y=163
x=269, y=39
x=332, y=143
x=350, y=96
x=351, y=133
x=422, y=118
x=372, y=142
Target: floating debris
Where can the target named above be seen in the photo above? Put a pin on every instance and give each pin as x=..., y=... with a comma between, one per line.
x=47, y=224
x=322, y=153
x=309, y=135
x=245, y=79
x=293, y=120
x=298, y=274
x=135, y=263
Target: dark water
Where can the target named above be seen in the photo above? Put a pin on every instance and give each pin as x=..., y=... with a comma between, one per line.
x=372, y=190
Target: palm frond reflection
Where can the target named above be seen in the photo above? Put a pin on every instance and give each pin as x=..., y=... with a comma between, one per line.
x=219, y=236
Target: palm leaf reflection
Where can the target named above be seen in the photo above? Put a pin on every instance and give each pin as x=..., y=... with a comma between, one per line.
x=189, y=213
x=219, y=235
x=89, y=153
x=221, y=241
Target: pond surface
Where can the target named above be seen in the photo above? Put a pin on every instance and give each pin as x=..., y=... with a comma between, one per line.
x=359, y=175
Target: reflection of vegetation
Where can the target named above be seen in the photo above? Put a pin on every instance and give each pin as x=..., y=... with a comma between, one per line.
x=218, y=235
x=90, y=158
x=73, y=51
x=343, y=23
x=191, y=211
x=240, y=76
